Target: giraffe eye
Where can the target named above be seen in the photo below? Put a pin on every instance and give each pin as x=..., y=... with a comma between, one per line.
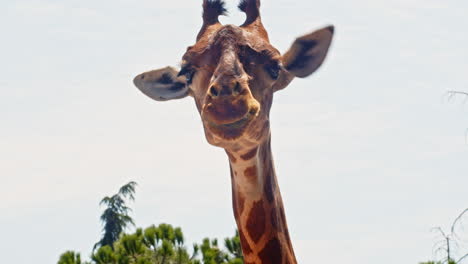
x=188, y=72
x=273, y=70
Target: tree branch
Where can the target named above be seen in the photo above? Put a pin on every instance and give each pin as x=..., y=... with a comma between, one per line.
x=466, y=255
x=459, y=217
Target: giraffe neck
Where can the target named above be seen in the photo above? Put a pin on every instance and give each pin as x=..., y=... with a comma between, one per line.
x=258, y=208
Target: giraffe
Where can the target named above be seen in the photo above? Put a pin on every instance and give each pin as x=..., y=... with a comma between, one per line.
x=232, y=73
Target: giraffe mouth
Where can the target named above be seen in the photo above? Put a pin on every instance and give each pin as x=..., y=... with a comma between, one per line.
x=252, y=113
x=234, y=129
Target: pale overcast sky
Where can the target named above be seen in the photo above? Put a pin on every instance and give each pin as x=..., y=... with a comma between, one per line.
x=370, y=154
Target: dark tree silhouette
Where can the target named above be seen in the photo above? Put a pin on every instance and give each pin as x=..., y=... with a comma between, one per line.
x=116, y=218
x=162, y=244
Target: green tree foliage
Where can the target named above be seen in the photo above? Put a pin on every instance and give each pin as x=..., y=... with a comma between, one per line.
x=70, y=257
x=164, y=244
x=233, y=245
x=212, y=254
x=161, y=244
x=432, y=262
x=116, y=218
x=105, y=255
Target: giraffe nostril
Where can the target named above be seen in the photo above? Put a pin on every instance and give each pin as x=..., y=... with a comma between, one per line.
x=237, y=89
x=142, y=76
x=213, y=91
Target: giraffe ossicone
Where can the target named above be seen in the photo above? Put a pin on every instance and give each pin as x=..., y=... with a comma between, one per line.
x=232, y=73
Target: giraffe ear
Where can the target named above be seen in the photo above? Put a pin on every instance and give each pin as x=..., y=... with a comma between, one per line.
x=162, y=84
x=308, y=52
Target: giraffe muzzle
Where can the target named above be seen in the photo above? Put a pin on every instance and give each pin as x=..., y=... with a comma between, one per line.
x=229, y=120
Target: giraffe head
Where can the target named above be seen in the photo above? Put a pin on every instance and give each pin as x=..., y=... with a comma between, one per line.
x=232, y=73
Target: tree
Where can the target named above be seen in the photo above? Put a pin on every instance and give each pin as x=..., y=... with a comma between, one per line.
x=116, y=218
x=438, y=262
x=212, y=254
x=448, y=244
x=454, y=93
x=104, y=255
x=70, y=257
x=131, y=249
x=233, y=245
x=162, y=244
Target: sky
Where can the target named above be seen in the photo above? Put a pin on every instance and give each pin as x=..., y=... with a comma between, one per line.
x=370, y=151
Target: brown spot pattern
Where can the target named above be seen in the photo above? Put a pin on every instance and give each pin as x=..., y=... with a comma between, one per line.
x=256, y=221
x=249, y=155
x=274, y=218
x=263, y=131
x=251, y=173
x=268, y=172
x=272, y=252
x=246, y=250
x=231, y=157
